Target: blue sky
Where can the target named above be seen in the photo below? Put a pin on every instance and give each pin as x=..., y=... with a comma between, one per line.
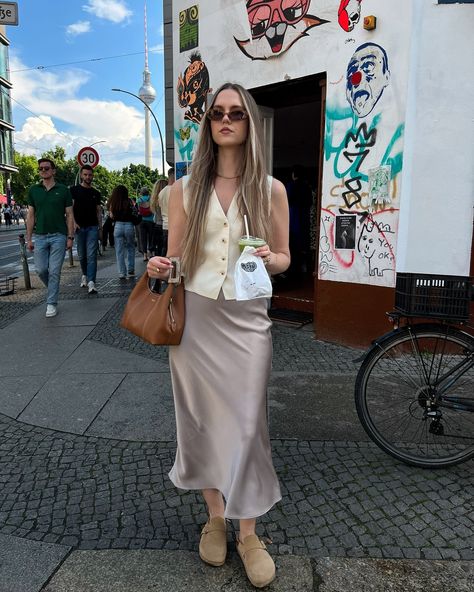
x=74, y=103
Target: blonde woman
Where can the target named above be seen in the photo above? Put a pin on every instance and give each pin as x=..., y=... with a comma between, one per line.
x=220, y=370
x=157, y=240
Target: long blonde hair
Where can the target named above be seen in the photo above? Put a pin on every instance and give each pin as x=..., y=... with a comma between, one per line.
x=253, y=194
x=157, y=187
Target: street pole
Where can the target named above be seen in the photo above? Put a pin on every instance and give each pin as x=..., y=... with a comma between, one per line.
x=157, y=125
x=24, y=261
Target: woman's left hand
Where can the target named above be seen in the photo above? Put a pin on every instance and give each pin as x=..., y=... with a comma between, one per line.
x=265, y=253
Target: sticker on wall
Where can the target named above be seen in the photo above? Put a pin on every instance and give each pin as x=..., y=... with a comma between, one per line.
x=193, y=88
x=185, y=135
x=275, y=26
x=345, y=232
x=189, y=28
x=367, y=77
x=181, y=169
x=379, y=185
x=349, y=14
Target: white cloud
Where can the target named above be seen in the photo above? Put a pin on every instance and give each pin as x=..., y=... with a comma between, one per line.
x=111, y=10
x=78, y=28
x=54, y=98
x=158, y=48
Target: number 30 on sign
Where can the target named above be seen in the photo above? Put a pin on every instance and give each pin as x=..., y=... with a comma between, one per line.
x=88, y=156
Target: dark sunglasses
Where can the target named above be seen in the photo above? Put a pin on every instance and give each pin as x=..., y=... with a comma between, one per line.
x=215, y=114
x=44, y=168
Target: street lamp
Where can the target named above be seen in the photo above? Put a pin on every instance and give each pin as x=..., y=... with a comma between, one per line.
x=156, y=121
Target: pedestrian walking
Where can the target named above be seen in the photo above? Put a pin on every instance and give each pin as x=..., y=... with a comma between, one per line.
x=7, y=214
x=108, y=227
x=124, y=216
x=157, y=217
x=163, y=199
x=146, y=227
x=221, y=368
x=87, y=220
x=51, y=218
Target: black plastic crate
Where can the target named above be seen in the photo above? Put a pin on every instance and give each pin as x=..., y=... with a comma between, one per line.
x=438, y=296
x=7, y=285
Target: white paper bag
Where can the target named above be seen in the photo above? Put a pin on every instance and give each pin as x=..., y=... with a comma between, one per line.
x=251, y=277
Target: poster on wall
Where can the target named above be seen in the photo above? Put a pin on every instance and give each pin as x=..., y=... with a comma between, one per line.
x=379, y=185
x=189, y=28
x=345, y=232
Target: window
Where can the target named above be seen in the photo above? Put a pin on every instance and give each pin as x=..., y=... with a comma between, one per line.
x=455, y=1
x=6, y=147
x=5, y=105
x=4, y=69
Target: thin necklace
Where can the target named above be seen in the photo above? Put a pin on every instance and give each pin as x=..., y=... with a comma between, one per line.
x=222, y=176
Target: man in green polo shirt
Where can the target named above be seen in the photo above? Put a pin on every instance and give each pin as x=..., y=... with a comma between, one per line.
x=51, y=218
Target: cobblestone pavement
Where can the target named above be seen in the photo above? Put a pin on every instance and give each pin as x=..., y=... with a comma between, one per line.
x=339, y=498
x=344, y=499
x=294, y=350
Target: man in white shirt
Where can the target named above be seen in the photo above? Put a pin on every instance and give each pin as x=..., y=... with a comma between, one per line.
x=163, y=199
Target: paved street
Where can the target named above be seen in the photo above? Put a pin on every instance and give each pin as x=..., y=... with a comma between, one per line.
x=87, y=438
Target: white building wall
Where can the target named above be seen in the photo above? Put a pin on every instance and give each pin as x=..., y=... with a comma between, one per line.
x=438, y=177
x=364, y=174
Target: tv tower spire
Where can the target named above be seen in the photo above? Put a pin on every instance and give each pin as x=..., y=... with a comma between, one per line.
x=147, y=94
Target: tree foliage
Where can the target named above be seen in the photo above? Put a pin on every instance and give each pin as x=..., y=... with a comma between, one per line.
x=134, y=176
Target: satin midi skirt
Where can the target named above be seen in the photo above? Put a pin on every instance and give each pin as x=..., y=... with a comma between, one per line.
x=220, y=373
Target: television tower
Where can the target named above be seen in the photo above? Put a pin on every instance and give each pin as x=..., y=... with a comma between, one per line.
x=147, y=94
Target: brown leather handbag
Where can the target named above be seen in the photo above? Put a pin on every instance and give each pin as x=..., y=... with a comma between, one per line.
x=155, y=311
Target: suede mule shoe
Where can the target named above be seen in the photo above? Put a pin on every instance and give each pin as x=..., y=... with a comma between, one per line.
x=258, y=564
x=213, y=543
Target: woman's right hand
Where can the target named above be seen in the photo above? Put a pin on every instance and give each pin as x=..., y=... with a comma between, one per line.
x=159, y=268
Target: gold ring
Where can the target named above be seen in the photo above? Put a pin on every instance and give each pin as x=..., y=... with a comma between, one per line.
x=266, y=260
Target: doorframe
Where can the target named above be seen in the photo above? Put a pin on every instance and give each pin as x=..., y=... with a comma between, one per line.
x=319, y=197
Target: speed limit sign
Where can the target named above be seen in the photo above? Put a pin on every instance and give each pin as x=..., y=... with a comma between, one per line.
x=88, y=156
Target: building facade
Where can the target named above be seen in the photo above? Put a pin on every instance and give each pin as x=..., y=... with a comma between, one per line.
x=360, y=94
x=7, y=163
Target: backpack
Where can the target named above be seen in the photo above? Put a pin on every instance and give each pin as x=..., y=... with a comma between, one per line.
x=144, y=209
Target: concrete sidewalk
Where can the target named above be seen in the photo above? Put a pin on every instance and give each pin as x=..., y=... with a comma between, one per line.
x=87, y=437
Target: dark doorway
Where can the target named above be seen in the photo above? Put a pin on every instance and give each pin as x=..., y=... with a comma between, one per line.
x=293, y=137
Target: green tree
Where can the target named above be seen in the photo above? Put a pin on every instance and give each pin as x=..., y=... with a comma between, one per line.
x=134, y=176
x=27, y=175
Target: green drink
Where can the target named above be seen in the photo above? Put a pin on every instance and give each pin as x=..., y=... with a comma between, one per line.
x=250, y=241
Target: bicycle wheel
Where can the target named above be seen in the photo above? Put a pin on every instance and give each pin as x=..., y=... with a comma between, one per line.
x=413, y=393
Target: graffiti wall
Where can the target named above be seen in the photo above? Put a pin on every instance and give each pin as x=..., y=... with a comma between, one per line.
x=262, y=42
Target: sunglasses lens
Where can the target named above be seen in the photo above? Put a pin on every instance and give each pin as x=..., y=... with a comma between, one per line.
x=237, y=115
x=44, y=168
x=215, y=114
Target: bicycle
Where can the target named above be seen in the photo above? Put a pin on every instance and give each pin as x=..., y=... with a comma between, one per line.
x=414, y=392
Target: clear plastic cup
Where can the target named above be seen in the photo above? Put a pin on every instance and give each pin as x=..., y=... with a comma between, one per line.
x=250, y=241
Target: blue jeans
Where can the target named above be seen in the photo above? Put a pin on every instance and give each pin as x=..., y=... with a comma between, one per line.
x=87, y=239
x=49, y=257
x=124, y=236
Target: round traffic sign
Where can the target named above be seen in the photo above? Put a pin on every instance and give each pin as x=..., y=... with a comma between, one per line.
x=88, y=155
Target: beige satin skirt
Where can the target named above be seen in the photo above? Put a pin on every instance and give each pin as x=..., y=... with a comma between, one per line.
x=220, y=373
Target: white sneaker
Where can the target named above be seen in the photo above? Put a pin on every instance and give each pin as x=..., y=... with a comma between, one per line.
x=91, y=288
x=51, y=310
x=84, y=281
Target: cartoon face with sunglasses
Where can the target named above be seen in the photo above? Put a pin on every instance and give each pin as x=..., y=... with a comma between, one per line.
x=275, y=26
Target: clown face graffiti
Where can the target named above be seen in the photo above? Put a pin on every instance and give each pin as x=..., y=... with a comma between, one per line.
x=349, y=14
x=192, y=89
x=366, y=78
x=275, y=25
